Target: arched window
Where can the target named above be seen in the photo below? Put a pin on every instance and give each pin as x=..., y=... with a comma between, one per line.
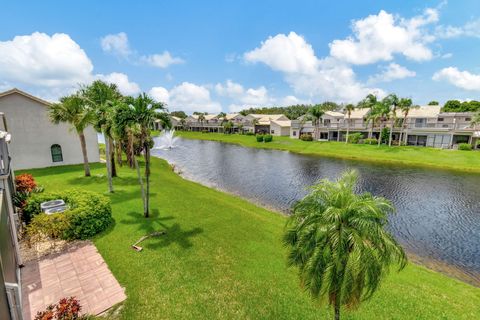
x=56, y=151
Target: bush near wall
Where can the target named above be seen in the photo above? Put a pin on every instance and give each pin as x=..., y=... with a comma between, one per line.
x=268, y=138
x=259, y=138
x=370, y=141
x=465, y=146
x=306, y=137
x=354, y=137
x=88, y=214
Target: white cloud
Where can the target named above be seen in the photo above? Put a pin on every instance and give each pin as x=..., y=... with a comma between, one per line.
x=125, y=86
x=289, y=54
x=190, y=97
x=42, y=60
x=251, y=96
x=327, y=78
x=229, y=89
x=116, y=44
x=162, y=60
x=160, y=94
x=469, y=29
x=461, y=79
x=379, y=37
x=391, y=72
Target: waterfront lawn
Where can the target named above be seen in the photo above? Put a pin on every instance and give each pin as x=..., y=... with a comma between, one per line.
x=405, y=155
x=222, y=257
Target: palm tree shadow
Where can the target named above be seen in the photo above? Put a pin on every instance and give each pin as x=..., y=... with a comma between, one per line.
x=173, y=233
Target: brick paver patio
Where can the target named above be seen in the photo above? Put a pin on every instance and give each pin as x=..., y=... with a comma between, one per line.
x=80, y=271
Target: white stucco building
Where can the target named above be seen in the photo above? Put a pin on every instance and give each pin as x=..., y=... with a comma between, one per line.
x=36, y=142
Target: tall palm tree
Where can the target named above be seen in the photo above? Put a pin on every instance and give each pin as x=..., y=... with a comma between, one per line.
x=392, y=101
x=73, y=110
x=337, y=240
x=348, y=109
x=201, y=119
x=254, y=124
x=382, y=109
x=368, y=103
x=102, y=97
x=405, y=105
x=145, y=111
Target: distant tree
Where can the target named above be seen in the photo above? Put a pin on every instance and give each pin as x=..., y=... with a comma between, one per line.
x=406, y=105
x=337, y=240
x=452, y=106
x=73, y=110
x=291, y=112
x=199, y=113
x=392, y=102
x=178, y=114
x=433, y=103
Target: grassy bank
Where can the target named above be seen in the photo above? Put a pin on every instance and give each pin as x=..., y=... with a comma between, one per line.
x=222, y=258
x=413, y=156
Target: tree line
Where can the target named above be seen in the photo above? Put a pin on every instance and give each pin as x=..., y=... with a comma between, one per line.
x=124, y=121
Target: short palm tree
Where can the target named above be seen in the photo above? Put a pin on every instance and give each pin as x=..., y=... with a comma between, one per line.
x=392, y=102
x=316, y=112
x=201, y=118
x=337, y=240
x=73, y=110
x=405, y=105
x=145, y=111
x=348, y=110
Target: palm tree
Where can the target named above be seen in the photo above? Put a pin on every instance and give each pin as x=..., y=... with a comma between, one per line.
x=145, y=111
x=254, y=123
x=338, y=241
x=348, y=109
x=102, y=97
x=392, y=102
x=201, y=118
x=382, y=109
x=368, y=103
x=73, y=110
x=405, y=105
x=316, y=112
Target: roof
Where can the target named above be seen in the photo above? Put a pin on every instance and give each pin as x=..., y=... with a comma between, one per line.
x=176, y=118
x=424, y=112
x=210, y=116
x=23, y=93
x=230, y=116
x=283, y=123
x=334, y=114
x=359, y=113
x=267, y=116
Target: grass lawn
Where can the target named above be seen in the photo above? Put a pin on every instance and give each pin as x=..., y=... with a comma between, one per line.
x=417, y=156
x=222, y=257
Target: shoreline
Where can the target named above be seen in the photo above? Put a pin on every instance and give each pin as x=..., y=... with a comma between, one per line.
x=344, y=156
x=426, y=262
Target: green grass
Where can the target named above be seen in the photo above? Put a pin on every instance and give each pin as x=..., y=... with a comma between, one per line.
x=413, y=156
x=222, y=258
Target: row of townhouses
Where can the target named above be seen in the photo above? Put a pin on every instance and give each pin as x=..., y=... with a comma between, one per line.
x=424, y=126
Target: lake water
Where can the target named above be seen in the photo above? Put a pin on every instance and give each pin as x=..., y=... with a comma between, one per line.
x=438, y=212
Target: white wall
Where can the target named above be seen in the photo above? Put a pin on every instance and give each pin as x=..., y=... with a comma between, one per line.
x=279, y=131
x=33, y=134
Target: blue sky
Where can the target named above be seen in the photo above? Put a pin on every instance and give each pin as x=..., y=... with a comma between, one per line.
x=212, y=55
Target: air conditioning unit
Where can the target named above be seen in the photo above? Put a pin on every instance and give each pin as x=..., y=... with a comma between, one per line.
x=51, y=204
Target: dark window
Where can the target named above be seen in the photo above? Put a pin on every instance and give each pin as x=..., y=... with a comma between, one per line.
x=56, y=153
x=273, y=131
x=440, y=119
x=468, y=119
x=294, y=133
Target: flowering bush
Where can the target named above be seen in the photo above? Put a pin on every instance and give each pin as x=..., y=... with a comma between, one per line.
x=25, y=183
x=65, y=309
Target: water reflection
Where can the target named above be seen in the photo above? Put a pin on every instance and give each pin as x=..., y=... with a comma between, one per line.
x=438, y=212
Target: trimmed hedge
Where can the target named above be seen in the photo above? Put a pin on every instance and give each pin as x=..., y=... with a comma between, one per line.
x=268, y=138
x=88, y=214
x=306, y=137
x=354, y=137
x=259, y=138
x=370, y=141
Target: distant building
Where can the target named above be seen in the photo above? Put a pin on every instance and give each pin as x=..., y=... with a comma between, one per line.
x=36, y=141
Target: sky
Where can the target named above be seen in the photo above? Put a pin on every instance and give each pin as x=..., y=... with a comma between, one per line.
x=214, y=56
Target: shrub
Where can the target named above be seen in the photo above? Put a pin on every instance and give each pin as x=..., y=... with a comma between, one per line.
x=385, y=135
x=259, y=138
x=354, y=137
x=65, y=309
x=25, y=182
x=204, y=131
x=370, y=141
x=306, y=137
x=249, y=133
x=268, y=138
x=88, y=214
x=465, y=146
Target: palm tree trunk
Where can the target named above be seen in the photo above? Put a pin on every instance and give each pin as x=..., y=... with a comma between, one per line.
x=337, y=309
x=348, y=130
x=140, y=181
x=108, y=163
x=391, y=133
x=118, y=147
x=380, y=136
x=86, y=165
x=112, y=158
x=147, y=179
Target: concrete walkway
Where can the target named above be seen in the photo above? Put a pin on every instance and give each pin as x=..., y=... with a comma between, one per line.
x=80, y=271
